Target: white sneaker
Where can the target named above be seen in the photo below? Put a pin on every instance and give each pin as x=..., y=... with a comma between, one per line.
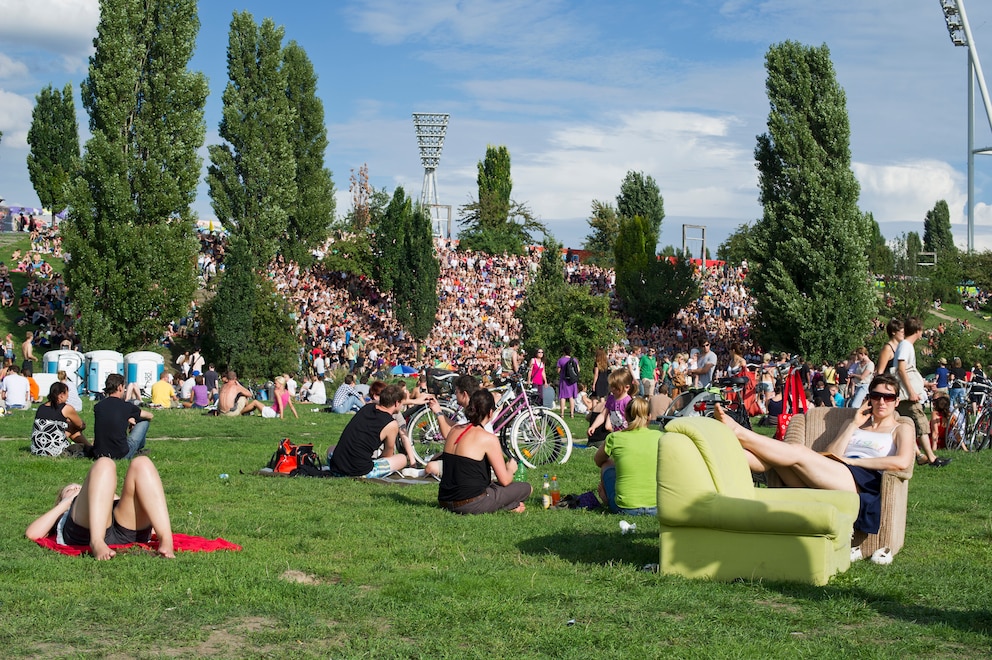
x=413, y=473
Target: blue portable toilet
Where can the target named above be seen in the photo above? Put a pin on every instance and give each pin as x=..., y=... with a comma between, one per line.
x=143, y=368
x=99, y=365
x=71, y=362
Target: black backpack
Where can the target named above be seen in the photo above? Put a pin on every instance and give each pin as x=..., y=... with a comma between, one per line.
x=571, y=373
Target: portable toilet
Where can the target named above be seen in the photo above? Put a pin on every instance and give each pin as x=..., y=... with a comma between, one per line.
x=99, y=365
x=143, y=368
x=71, y=362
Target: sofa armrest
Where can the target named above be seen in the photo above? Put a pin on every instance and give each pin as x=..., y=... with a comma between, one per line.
x=801, y=515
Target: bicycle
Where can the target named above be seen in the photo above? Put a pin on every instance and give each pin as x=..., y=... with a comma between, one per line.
x=422, y=425
x=530, y=433
x=980, y=436
x=701, y=402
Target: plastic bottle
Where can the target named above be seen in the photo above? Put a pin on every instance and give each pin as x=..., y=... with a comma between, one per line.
x=546, y=494
x=521, y=473
x=555, y=491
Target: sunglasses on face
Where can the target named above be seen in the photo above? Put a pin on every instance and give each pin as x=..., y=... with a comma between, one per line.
x=880, y=396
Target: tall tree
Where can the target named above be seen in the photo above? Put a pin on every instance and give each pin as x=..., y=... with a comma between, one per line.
x=880, y=259
x=809, y=246
x=496, y=223
x=604, y=224
x=388, y=248
x=556, y=315
x=734, y=250
x=130, y=227
x=54, y=141
x=416, y=299
x=639, y=195
x=312, y=214
x=937, y=235
x=252, y=178
x=633, y=253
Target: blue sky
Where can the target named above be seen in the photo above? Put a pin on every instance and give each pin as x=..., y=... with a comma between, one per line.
x=580, y=92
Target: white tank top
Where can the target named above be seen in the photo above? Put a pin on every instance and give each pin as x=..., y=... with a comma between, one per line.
x=870, y=444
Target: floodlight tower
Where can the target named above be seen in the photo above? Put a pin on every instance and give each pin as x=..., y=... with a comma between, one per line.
x=431, y=127
x=960, y=33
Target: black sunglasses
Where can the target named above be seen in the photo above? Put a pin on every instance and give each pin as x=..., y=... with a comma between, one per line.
x=878, y=396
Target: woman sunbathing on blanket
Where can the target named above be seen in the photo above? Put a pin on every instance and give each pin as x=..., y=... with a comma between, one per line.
x=93, y=515
x=874, y=441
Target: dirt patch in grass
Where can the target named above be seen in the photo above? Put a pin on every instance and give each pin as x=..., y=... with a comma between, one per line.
x=306, y=578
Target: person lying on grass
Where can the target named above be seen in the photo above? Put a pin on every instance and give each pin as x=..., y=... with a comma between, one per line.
x=470, y=451
x=91, y=514
x=873, y=441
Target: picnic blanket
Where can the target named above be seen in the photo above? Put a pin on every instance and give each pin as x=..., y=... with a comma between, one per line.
x=394, y=479
x=181, y=542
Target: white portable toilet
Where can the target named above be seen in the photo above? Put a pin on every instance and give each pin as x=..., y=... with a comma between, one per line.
x=143, y=368
x=71, y=362
x=99, y=365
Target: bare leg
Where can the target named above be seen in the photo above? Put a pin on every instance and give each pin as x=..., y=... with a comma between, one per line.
x=809, y=468
x=94, y=505
x=923, y=442
x=143, y=503
x=254, y=404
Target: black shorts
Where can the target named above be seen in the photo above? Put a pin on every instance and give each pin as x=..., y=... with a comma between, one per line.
x=117, y=534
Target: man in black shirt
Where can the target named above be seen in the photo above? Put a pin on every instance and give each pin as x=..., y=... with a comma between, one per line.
x=112, y=417
x=371, y=427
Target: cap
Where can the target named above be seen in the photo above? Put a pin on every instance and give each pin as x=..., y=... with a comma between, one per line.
x=943, y=360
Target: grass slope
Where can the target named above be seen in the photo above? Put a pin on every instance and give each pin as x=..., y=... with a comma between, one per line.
x=341, y=568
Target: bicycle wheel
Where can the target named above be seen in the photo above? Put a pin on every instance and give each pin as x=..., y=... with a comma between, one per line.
x=981, y=436
x=956, y=432
x=425, y=433
x=539, y=436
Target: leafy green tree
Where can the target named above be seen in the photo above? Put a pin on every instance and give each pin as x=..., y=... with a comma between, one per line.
x=556, y=315
x=130, y=227
x=808, y=250
x=312, y=214
x=54, y=141
x=604, y=225
x=416, y=298
x=389, y=249
x=735, y=249
x=639, y=195
x=247, y=313
x=252, y=177
x=633, y=253
x=937, y=235
x=912, y=248
x=977, y=268
x=908, y=290
x=496, y=223
x=880, y=258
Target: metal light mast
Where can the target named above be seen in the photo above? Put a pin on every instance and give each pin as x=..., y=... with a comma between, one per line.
x=431, y=128
x=960, y=33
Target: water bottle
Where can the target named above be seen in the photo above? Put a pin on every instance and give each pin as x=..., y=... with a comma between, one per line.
x=546, y=494
x=521, y=473
x=555, y=491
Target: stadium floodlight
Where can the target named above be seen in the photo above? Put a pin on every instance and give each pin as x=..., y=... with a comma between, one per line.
x=957, y=27
x=431, y=128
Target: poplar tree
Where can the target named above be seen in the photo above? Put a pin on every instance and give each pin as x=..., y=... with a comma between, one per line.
x=130, y=227
x=54, y=140
x=639, y=195
x=937, y=235
x=252, y=177
x=809, y=270
x=605, y=224
x=416, y=294
x=312, y=214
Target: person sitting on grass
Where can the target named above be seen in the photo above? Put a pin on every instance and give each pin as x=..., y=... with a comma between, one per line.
x=470, y=452
x=612, y=417
x=199, y=396
x=235, y=399
x=628, y=463
x=372, y=427
x=346, y=397
x=163, y=394
x=119, y=426
x=91, y=514
x=874, y=441
x=57, y=425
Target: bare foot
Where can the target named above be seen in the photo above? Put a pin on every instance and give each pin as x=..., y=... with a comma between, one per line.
x=102, y=552
x=166, y=551
x=520, y=508
x=720, y=415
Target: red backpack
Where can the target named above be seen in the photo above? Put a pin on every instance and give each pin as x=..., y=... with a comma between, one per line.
x=289, y=457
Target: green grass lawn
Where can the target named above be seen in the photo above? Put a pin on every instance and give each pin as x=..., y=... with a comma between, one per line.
x=341, y=568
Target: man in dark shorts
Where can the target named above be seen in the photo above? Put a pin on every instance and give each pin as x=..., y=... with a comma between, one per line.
x=113, y=417
x=372, y=427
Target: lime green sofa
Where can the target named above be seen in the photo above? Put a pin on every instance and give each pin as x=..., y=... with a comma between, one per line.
x=715, y=524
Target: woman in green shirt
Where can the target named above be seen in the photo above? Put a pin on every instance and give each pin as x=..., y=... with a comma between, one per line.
x=628, y=463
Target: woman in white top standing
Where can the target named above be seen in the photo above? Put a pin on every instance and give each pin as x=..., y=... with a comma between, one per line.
x=874, y=441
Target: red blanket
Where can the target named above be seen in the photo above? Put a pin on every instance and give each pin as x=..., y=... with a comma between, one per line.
x=181, y=542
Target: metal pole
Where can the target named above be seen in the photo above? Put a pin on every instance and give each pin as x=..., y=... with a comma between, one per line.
x=971, y=152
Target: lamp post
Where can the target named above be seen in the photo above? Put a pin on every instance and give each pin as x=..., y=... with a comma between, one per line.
x=960, y=32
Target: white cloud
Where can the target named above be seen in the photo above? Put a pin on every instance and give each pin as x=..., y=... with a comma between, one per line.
x=905, y=192
x=62, y=26
x=11, y=68
x=15, y=118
